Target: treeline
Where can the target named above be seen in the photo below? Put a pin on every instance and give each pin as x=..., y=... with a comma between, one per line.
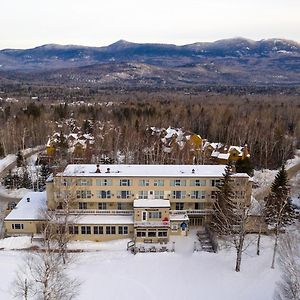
x=269, y=124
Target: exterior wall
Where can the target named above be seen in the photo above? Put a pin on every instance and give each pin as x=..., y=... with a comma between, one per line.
x=175, y=229
x=50, y=195
x=103, y=237
x=152, y=239
x=138, y=214
x=83, y=193
x=29, y=227
x=133, y=192
x=256, y=224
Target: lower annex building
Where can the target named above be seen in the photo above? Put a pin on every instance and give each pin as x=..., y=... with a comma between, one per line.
x=146, y=203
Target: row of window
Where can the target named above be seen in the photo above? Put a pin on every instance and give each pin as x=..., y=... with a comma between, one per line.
x=142, y=182
x=152, y=233
x=123, y=230
x=87, y=194
x=197, y=205
x=123, y=206
x=102, y=205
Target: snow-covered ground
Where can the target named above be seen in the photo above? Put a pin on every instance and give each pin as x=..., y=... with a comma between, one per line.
x=110, y=272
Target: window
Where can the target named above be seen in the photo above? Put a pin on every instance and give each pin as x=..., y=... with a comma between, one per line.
x=17, y=226
x=179, y=206
x=123, y=194
x=83, y=194
x=82, y=205
x=151, y=233
x=143, y=194
x=84, y=182
x=103, y=182
x=178, y=194
x=86, y=230
x=73, y=229
x=198, y=182
x=178, y=182
x=98, y=229
x=102, y=205
x=123, y=230
x=110, y=230
x=159, y=194
x=141, y=233
x=121, y=206
x=144, y=182
x=199, y=205
x=125, y=182
x=215, y=182
x=104, y=194
x=154, y=215
x=162, y=233
x=66, y=182
x=198, y=194
x=158, y=182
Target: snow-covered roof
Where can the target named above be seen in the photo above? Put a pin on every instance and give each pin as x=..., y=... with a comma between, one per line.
x=151, y=203
x=237, y=148
x=223, y=155
x=29, y=209
x=89, y=170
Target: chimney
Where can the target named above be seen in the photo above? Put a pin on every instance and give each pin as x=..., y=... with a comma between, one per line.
x=28, y=199
x=98, y=169
x=193, y=171
x=107, y=170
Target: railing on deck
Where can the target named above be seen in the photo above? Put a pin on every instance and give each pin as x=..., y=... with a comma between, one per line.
x=152, y=224
x=192, y=212
x=97, y=211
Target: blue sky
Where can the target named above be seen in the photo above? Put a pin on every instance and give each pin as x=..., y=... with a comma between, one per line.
x=29, y=23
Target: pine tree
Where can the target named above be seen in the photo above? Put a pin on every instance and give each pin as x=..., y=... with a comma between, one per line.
x=26, y=182
x=244, y=166
x=279, y=211
x=45, y=172
x=230, y=216
x=224, y=217
x=20, y=159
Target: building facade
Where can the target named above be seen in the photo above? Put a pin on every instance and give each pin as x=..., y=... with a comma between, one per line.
x=146, y=203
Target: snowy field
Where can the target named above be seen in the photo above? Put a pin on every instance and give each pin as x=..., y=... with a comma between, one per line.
x=108, y=271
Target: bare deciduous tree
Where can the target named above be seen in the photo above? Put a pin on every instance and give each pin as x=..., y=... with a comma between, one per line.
x=44, y=277
x=289, y=260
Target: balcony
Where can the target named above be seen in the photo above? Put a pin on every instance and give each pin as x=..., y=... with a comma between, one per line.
x=152, y=224
x=194, y=212
x=120, y=212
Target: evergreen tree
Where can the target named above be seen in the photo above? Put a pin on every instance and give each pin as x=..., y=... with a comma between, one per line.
x=244, y=166
x=279, y=211
x=44, y=173
x=26, y=182
x=20, y=159
x=224, y=217
x=8, y=180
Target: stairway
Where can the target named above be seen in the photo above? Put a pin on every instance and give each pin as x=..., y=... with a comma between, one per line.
x=205, y=241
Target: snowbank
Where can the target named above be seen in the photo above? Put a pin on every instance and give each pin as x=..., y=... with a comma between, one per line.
x=116, y=274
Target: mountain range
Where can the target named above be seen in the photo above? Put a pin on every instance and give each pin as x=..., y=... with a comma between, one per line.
x=236, y=61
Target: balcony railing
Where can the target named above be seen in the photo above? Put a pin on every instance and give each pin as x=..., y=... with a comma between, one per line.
x=122, y=212
x=152, y=224
x=199, y=212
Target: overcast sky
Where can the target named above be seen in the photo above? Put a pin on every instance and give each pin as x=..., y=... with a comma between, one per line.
x=29, y=23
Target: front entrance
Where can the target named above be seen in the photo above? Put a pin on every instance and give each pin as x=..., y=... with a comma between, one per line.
x=196, y=221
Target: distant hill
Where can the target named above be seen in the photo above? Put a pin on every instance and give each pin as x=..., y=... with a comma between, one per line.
x=229, y=62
